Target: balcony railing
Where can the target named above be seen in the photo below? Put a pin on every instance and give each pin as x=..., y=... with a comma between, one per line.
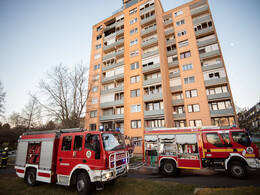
x=179, y=116
x=152, y=81
x=173, y=64
x=151, y=97
x=112, y=103
x=148, y=20
x=212, y=67
x=176, y=88
x=150, y=42
x=170, y=41
x=153, y=113
x=113, y=90
x=202, y=19
x=172, y=52
x=223, y=112
x=113, y=45
x=168, y=32
x=151, y=68
x=111, y=117
x=209, y=54
x=219, y=96
x=177, y=102
x=112, y=66
x=175, y=75
x=112, y=55
x=205, y=31
x=170, y=21
x=215, y=81
x=147, y=9
x=145, y=55
x=207, y=42
x=112, y=78
x=199, y=10
x=148, y=31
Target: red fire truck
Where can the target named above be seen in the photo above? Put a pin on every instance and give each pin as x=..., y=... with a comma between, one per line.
x=73, y=156
x=220, y=148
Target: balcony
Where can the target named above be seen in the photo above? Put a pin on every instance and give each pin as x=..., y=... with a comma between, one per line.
x=168, y=32
x=112, y=103
x=174, y=75
x=113, y=78
x=177, y=102
x=113, y=45
x=120, y=32
x=218, y=81
x=111, y=117
x=176, y=88
x=209, y=54
x=223, y=112
x=151, y=97
x=110, y=27
x=151, y=68
x=201, y=10
x=149, y=31
x=152, y=81
x=205, y=31
x=172, y=52
x=113, y=90
x=170, y=41
x=212, y=67
x=173, y=64
x=149, y=43
x=202, y=19
x=179, y=116
x=153, y=113
x=152, y=53
x=147, y=21
x=113, y=55
x=150, y=8
x=170, y=21
x=219, y=96
x=112, y=66
x=207, y=42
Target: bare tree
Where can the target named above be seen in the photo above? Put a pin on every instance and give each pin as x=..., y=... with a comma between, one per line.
x=2, y=99
x=63, y=94
x=16, y=119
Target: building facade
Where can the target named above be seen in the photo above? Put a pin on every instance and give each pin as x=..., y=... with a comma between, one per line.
x=151, y=68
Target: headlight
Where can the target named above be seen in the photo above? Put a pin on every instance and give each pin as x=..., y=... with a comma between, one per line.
x=107, y=175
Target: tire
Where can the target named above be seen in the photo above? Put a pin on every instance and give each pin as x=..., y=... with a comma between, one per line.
x=237, y=170
x=168, y=168
x=83, y=184
x=31, y=177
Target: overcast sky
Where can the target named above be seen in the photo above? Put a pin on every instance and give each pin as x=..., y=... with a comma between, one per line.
x=37, y=34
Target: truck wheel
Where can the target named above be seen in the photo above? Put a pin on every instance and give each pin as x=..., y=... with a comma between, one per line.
x=237, y=170
x=83, y=184
x=168, y=168
x=31, y=177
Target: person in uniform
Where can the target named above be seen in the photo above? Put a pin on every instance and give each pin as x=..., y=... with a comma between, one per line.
x=4, y=158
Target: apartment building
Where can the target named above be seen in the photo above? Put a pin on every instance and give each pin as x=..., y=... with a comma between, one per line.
x=151, y=69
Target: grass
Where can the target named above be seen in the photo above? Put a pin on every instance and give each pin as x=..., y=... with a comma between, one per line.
x=230, y=191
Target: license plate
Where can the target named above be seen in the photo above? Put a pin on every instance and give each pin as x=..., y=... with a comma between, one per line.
x=120, y=171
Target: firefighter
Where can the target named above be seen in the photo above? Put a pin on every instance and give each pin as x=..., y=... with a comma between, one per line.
x=4, y=158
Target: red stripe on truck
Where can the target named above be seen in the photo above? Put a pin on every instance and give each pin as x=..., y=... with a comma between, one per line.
x=44, y=174
x=19, y=170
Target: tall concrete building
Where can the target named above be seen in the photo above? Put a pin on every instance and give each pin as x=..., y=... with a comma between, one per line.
x=151, y=68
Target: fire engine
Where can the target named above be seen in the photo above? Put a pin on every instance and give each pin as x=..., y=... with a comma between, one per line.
x=72, y=156
x=221, y=148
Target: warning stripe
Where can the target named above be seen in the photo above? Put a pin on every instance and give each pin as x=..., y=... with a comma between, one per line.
x=19, y=170
x=225, y=150
x=40, y=174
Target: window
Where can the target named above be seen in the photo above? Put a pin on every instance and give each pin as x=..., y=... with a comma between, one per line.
x=96, y=77
x=171, y=47
x=180, y=12
x=136, y=124
x=241, y=138
x=214, y=139
x=203, y=26
x=187, y=67
x=78, y=143
x=214, y=75
x=133, y=31
x=133, y=42
x=132, y=11
x=183, y=43
x=195, y=123
x=154, y=106
x=99, y=37
x=224, y=121
x=180, y=123
x=135, y=79
x=134, y=53
x=132, y=21
x=99, y=28
x=94, y=100
x=178, y=110
x=181, y=33
x=136, y=108
x=191, y=93
x=220, y=105
x=189, y=80
x=98, y=46
x=193, y=108
x=66, y=143
x=92, y=127
x=226, y=139
x=137, y=141
x=93, y=114
x=181, y=22
x=97, y=56
x=217, y=90
x=95, y=89
x=153, y=89
x=134, y=66
x=135, y=93
x=120, y=110
x=97, y=66
x=185, y=54
x=155, y=123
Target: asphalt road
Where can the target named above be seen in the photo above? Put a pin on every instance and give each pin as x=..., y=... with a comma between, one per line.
x=204, y=177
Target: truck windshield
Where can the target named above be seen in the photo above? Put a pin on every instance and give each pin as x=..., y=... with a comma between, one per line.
x=113, y=141
x=241, y=138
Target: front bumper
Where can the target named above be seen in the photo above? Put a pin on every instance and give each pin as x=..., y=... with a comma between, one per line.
x=253, y=162
x=112, y=174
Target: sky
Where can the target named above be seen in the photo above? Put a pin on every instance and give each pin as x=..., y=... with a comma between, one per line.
x=38, y=34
